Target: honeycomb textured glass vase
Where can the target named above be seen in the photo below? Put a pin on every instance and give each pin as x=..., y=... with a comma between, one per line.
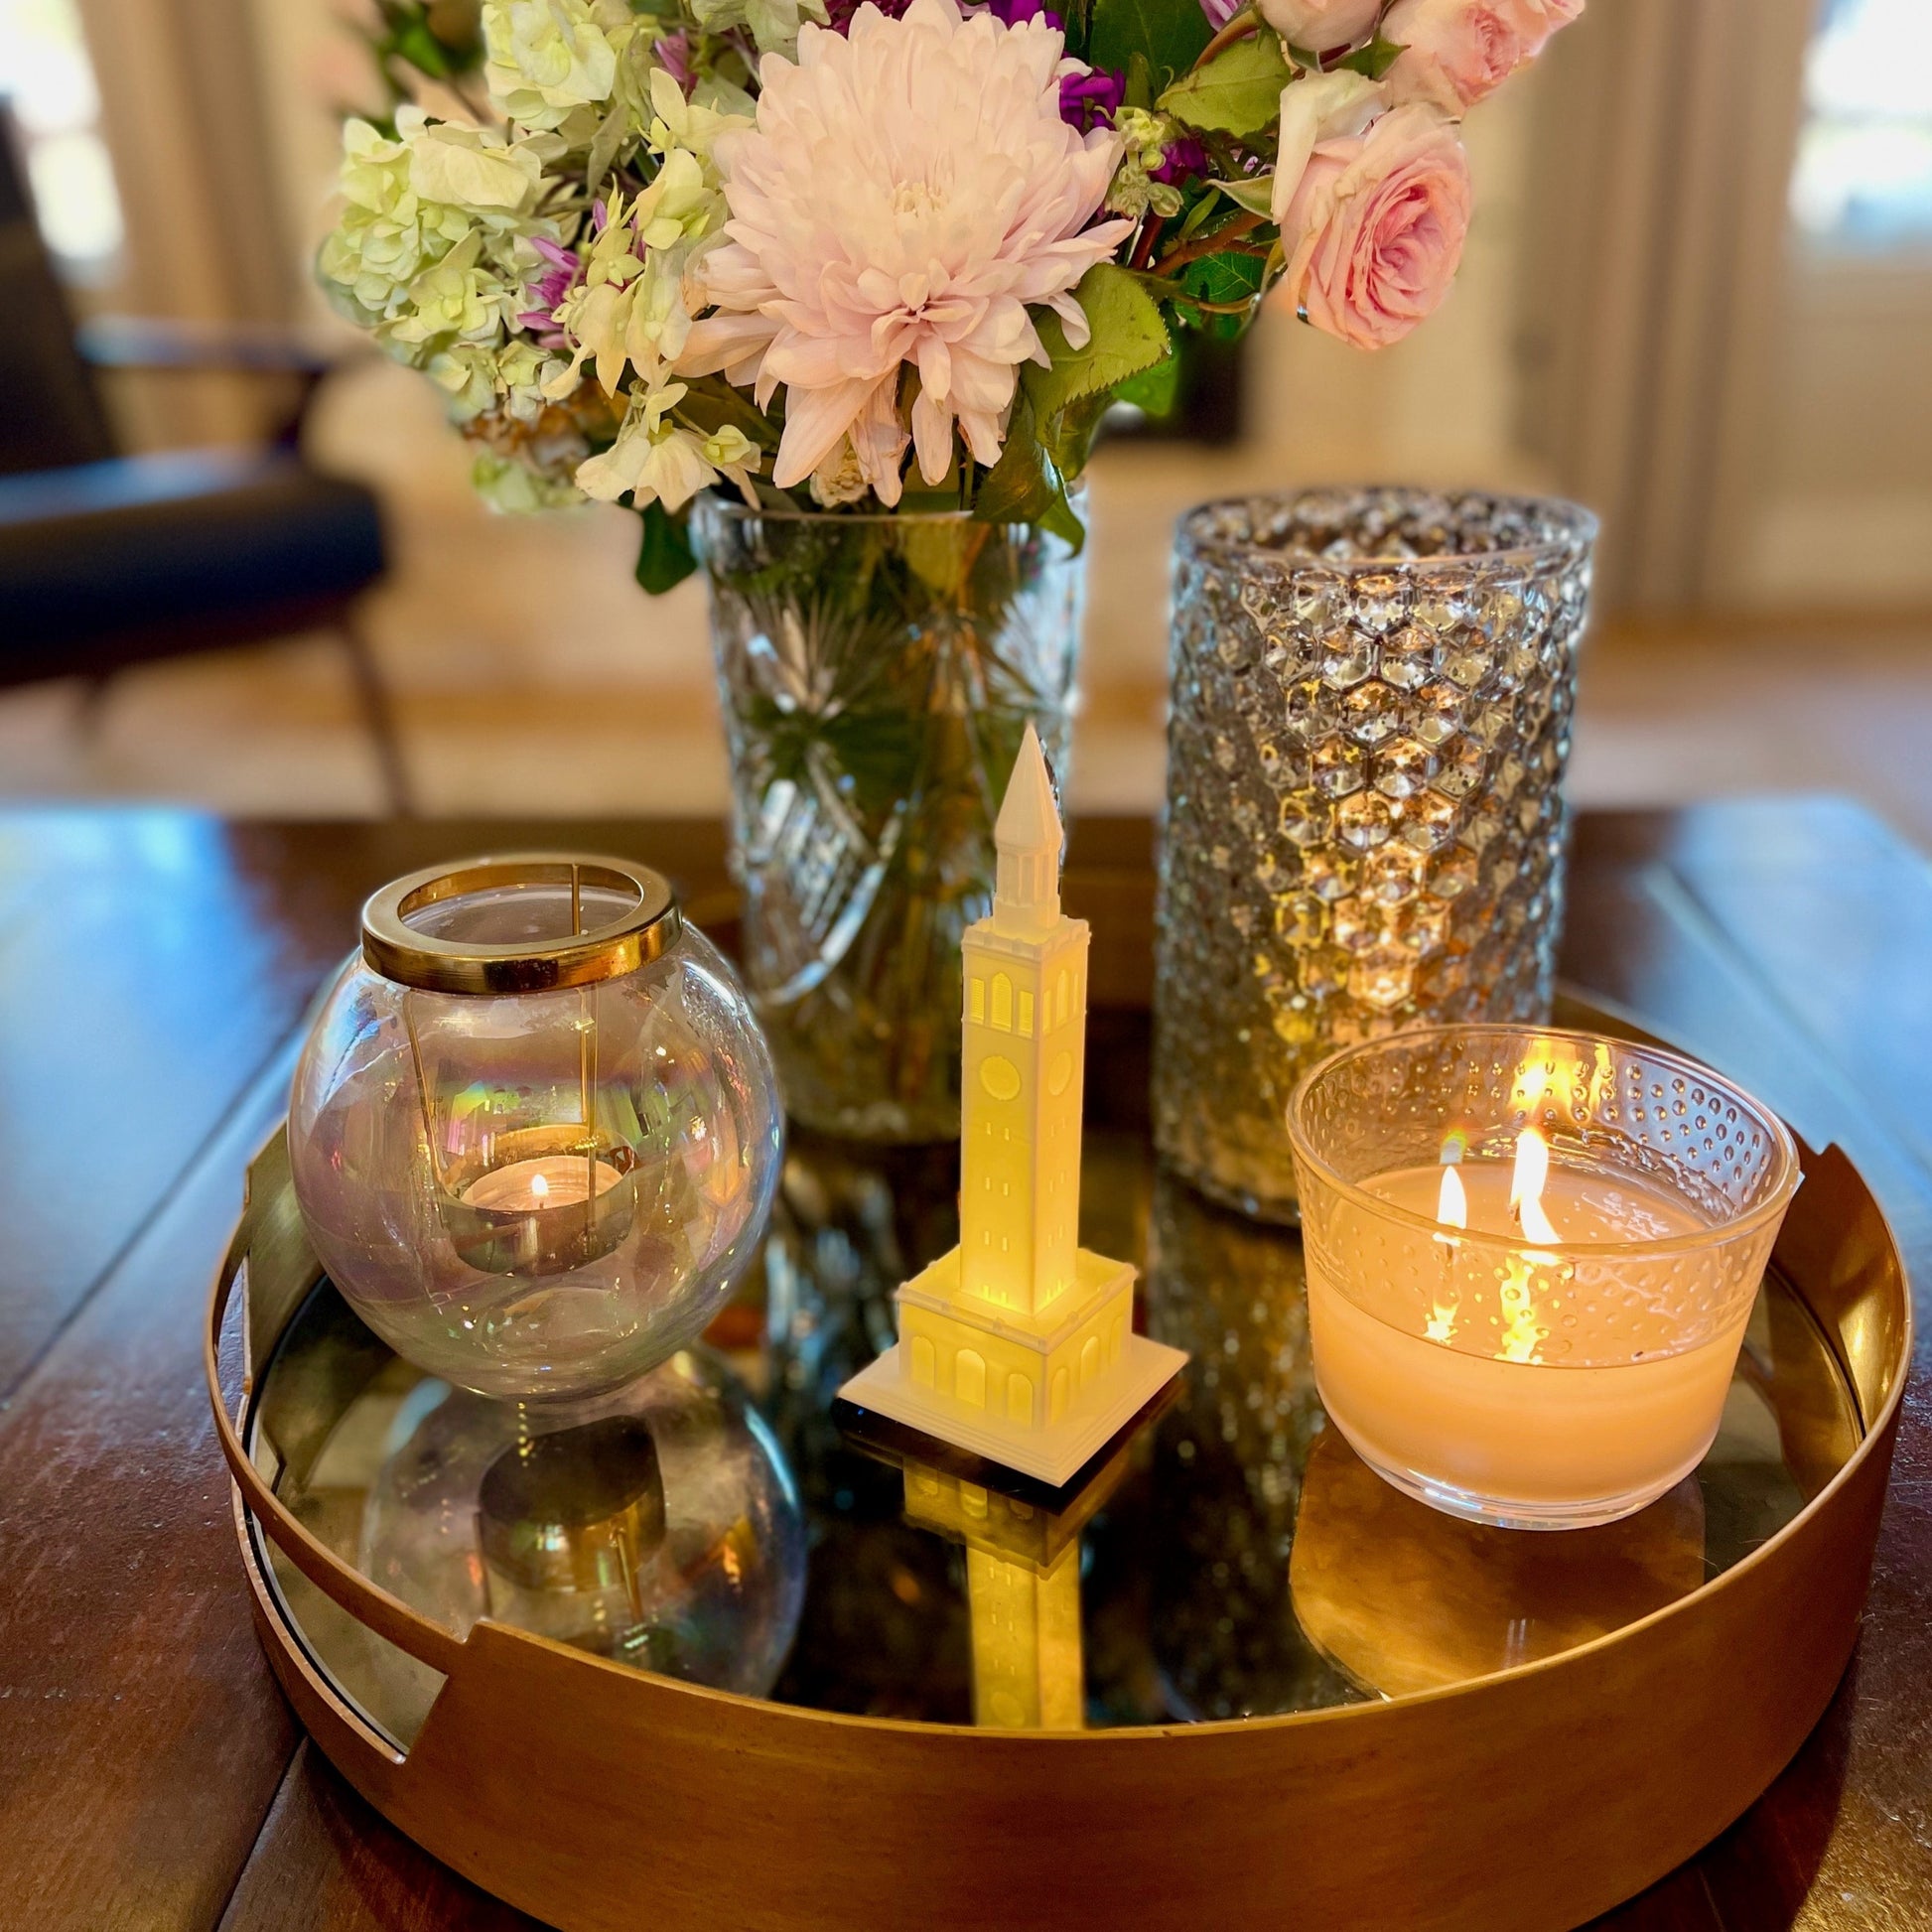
x=1365, y=823
x=876, y=674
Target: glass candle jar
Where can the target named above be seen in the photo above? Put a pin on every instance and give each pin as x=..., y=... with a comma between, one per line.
x=535, y=1131
x=1531, y=1256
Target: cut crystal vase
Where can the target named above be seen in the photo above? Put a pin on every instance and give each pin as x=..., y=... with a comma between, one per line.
x=877, y=673
x=1365, y=822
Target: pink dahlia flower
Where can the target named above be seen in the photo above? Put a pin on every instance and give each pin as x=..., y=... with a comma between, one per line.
x=908, y=191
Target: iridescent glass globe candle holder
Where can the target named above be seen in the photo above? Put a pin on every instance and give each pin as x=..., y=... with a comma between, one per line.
x=1531, y=1257
x=535, y=1130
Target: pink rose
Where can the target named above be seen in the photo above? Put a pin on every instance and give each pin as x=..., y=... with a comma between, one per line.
x=1375, y=229
x=1457, y=50
x=1318, y=25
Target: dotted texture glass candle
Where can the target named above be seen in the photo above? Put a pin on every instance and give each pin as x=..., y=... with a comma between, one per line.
x=1373, y=694
x=1531, y=1257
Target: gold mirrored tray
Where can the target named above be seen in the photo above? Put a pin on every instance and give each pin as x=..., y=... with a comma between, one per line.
x=1225, y=1671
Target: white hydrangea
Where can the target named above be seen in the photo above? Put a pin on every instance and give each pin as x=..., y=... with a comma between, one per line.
x=460, y=299
x=409, y=203
x=518, y=490
x=387, y=234
x=773, y=24
x=543, y=58
x=480, y=375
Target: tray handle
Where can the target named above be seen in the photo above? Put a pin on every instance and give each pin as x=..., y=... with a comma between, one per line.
x=388, y=1616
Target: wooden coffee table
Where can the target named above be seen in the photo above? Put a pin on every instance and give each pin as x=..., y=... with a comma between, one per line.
x=154, y=967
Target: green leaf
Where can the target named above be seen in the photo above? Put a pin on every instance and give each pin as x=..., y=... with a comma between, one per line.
x=664, y=557
x=1140, y=82
x=1226, y=277
x=1126, y=335
x=1374, y=60
x=1171, y=33
x=1256, y=195
x=1022, y=485
x=711, y=403
x=1239, y=92
x=1153, y=390
x=1025, y=486
x=1060, y=521
x=1067, y=434
x=415, y=43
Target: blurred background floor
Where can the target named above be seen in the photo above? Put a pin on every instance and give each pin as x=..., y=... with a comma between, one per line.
x=531, y=675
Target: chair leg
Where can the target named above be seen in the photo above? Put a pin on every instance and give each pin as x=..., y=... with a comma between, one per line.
x=93, y=709
x=378, y=712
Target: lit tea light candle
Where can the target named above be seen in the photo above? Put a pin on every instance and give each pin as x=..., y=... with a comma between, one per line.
x=550, y=1180
x=1535, y=1325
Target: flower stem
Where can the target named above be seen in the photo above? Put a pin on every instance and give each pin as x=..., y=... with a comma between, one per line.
x=1212, y=245
x=1245, y=22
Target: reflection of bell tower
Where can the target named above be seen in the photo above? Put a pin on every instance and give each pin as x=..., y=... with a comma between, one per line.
x=1019, y=1344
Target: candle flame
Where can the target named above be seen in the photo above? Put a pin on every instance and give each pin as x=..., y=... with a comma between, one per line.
x=1453, y=1209
x=539, y=1189
x=1526, y=1186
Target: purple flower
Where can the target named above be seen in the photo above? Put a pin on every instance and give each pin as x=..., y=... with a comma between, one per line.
x=553, y=283
x=674, y=56
x=1090, y=100
x=839, y=12
x=1180, y=159
x=1220, y=12
x=547, y=292
x=1015, y=13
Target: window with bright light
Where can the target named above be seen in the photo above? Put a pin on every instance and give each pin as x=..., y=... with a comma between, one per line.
x=48, y=81
x=1864, y=178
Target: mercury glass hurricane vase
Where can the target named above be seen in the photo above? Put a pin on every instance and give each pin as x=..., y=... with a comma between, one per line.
x=1365, y=821
x=877, y=673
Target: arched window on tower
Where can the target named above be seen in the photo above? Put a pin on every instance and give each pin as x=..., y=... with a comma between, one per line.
x=1003, y=1003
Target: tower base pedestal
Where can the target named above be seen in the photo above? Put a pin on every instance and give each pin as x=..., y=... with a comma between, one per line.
x=1054, y=1454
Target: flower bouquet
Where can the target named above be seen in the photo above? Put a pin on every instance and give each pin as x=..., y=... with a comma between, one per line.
x=861, y=283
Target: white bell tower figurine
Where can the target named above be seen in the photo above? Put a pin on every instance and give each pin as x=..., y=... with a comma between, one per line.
x=1019, y=1343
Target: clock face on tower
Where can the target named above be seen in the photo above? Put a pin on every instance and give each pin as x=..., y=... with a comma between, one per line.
x=1019, y=1187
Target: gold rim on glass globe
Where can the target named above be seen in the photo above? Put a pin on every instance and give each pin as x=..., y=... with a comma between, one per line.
x=641, y=934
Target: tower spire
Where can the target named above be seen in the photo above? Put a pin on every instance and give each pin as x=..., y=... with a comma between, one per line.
x=1028, y=836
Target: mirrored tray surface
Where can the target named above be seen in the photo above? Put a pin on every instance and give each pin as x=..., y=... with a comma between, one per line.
x=1230, y=1558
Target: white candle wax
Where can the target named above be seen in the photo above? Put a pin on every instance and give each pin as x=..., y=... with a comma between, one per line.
x=1551, y=1382
x=549, y=1181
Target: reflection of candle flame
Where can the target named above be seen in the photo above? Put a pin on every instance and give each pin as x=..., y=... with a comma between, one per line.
x=539, y=1189
x=1451, y=1202
x=1523, y=1335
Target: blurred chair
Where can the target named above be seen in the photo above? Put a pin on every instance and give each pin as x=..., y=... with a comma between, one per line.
x=110, y=560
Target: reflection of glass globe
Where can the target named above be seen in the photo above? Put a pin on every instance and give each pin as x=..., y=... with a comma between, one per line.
x=657, y=1526
x=541, y=1192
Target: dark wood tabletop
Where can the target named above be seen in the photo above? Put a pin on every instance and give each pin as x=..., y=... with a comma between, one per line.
x=154, y=970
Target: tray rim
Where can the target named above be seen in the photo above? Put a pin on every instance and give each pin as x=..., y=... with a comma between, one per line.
x=925, y=1727
x=379, y=1767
